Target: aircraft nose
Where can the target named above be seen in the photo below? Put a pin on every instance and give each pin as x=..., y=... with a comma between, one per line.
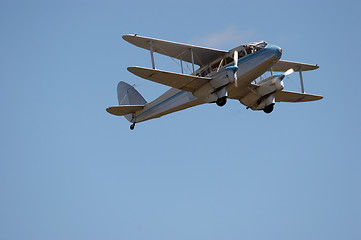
x=277, y=50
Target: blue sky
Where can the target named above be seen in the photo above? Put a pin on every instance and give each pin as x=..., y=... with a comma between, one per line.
x=69, y=170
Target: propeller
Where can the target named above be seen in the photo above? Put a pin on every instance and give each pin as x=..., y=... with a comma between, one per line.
x=289, y=71
x=233, y=69
x=235, y=58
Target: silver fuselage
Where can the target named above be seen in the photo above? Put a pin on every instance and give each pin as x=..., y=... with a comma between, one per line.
x=250, y=68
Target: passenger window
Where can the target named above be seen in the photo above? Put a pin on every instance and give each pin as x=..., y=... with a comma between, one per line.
x=205, y=72
x=248, y=50
x=214, y=67
x=241, y=54
x=228, y=60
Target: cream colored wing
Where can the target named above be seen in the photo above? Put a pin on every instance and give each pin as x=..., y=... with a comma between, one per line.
x=283, y=66
x=202, y=55
x=286, y=96
x=180, y=81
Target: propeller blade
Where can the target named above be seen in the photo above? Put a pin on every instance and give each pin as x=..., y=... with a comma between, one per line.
x=289, y=71
x=235, y=58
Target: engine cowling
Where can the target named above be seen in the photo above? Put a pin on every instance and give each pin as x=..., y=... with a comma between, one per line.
x=267, y=101
x=213, y=90
x=270, y=85
x=263, y=97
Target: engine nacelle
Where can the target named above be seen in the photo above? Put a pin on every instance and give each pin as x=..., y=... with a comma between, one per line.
x=267, y=101
x=206, y=93
x=212, y=90
x=270, y=84
x=264, y=94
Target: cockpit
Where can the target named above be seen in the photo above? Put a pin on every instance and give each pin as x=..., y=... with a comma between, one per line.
x=243, y=51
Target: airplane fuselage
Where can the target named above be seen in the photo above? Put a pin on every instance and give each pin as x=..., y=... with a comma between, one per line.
x=250, y=67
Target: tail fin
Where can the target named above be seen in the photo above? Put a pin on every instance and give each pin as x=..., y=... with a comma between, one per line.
x=127, y=95
x=129, y=98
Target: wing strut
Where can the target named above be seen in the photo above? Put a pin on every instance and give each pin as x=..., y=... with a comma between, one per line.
x=181, y=63
x=192, y=55
x=151, y=54
x=301, y=80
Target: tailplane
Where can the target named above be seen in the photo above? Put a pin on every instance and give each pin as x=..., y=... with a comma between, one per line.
x=130, y=101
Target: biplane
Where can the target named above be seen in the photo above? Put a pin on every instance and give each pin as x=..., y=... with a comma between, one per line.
x=221, y=75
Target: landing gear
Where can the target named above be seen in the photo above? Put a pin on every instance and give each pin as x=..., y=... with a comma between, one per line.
x=132, y=126
x=221, y=101
x=269, y=108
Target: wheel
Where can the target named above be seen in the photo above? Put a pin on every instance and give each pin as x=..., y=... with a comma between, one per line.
x=132, y=126
x=221, y=101
x=268, y=109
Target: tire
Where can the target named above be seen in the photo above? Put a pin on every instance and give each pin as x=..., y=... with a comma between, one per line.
x=221, y=101
x=268, y=109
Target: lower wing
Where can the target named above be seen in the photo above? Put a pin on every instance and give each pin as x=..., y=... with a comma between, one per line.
x=283, y=66
x=176, y=80
x=286, y=96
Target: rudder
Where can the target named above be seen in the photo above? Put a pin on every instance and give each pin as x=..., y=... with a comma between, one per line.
x=128, y=95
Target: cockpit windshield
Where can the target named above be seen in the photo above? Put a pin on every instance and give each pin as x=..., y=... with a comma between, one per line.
x=253, y=47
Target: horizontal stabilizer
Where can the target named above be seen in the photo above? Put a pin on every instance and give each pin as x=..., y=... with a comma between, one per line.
x=283, y=66
x=124, y=109
x=176, y=80
x=286, y=96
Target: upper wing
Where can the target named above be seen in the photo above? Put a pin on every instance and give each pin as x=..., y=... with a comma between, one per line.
x=286, y=96
x=180, y=81
x=283, y=66
x=202, y=55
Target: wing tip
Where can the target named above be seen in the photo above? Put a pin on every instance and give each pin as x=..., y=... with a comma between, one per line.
x=320, y=98
x=133, y=69
x=129, y=37
x=110, y=110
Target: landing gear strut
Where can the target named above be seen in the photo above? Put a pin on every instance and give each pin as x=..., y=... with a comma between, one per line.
x=221, y=101
x=269, y=108
x=132, y=126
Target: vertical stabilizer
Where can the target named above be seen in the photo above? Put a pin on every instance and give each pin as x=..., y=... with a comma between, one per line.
x=128, y=95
